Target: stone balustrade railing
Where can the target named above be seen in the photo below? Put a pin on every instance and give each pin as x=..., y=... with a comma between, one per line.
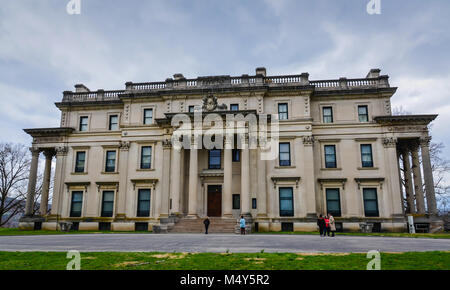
x=227, y=81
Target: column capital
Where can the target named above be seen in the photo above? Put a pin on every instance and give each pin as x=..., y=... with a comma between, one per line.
x=35, y=151
x=49, y=153
x=124, y=145
x=308, y=140
x=389, y=142
x=61, y=150
x=425, y=141
x=167, y=144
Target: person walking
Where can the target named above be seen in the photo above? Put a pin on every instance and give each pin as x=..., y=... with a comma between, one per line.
x=327, y=226
x=206, y=222
x=321, y=224
x=332, y=224
x=242, y=225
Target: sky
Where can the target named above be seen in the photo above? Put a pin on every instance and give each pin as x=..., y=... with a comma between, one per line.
x=45, y=51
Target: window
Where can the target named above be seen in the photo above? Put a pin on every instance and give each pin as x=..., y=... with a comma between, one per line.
x=236, y=155
x=366, y=155
x=330, y=156
x=253, y=203
x=83, y=123
x=236, y=201
x=363, y=114
x=108, y=203
x=283, y=111
x=327, y=114
x=285, y=154
x=286, y=201
x=113, y=122
x=143, y=207
x=80, y=161
x=191, y=109
x=370, y=202
x=76, y=204
x=141, y=227
x=110, y=161
x=234, y=107
x=214, y=159
x=333, y=201
x=148, y=116
x=104, y=226
x=146, y=157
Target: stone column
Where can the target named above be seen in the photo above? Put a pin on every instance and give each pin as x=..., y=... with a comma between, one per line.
x=428, y=175
x=123, y=180
x=245, y=179
x=32, y=181
x=418, y=186
x=262, y=189
x=165, y=188
x=227, y=178
x=176, y=179
x=58, y=186
x=46, y=182
x=408, y=182
x=193, y=179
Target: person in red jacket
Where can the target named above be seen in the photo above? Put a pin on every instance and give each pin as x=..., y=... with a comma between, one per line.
x=327, y=226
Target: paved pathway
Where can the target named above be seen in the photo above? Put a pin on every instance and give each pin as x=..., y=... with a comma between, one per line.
x=217, y=243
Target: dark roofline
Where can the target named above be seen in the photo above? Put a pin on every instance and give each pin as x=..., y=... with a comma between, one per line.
x=59, y=131
x=405, y=119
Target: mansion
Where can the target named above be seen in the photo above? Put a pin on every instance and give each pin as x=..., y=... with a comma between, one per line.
x=339, y=150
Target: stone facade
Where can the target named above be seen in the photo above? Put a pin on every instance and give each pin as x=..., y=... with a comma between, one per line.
x=349, y=115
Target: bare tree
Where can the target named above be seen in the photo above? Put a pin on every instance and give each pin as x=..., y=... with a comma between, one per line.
x=441, y=171
x=14, y=165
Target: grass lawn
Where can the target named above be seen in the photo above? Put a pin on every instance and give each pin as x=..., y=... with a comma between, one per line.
x=224, y=261
x=444, y=235
x=18, y=232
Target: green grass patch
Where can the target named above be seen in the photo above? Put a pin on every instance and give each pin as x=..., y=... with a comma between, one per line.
x=223, y=261
x=18, y=232
x=444, y=235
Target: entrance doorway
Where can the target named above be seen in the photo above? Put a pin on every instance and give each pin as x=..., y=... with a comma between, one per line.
x=214, y=200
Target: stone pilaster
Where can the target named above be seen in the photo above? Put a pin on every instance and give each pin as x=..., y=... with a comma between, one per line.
x=123, y=180
x=309, y=180
x=175, y=180
x=193, y=178
x=46, y=182
x=165, y=187
x=32, y=181
x=262, y=184
x=245, y=178
x=428, y=175
x=227, y=178
x=58, y=185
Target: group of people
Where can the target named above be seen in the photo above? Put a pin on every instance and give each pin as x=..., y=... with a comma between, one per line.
x=206, y=222
x=327, y=225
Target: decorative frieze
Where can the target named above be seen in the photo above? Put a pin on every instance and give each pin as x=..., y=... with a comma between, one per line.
x=124, y=145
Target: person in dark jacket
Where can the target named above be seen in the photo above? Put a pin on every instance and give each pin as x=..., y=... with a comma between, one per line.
x=206, y=222
x=321, y=224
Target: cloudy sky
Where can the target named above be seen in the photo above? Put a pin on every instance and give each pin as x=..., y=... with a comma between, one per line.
x=44, y=50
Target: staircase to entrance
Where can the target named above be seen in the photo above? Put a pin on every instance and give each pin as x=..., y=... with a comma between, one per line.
x=195, y=225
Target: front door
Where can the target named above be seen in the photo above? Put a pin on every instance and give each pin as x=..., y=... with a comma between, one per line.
x=214, y=200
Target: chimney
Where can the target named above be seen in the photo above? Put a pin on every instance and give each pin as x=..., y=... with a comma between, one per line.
x=261, y=71
x=80, y=88
x=373, y=73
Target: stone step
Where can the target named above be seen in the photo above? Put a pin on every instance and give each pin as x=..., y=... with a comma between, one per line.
x=217, y=225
